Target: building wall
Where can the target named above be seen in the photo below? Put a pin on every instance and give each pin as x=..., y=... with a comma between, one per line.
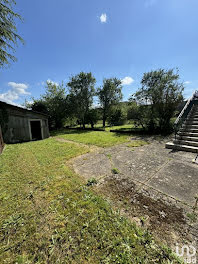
x=19, y=125
x=1, y=141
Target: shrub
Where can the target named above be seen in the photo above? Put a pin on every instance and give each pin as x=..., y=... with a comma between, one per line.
x=117, y=117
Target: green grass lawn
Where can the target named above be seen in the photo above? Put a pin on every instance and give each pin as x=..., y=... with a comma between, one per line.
x=98, y=138
x=49, y=215
x=108, y=128
x=123, y=127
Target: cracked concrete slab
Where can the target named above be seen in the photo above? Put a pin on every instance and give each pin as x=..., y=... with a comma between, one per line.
x=153, y=183
x=171, y=173
x=178, y=179
x=93, y=165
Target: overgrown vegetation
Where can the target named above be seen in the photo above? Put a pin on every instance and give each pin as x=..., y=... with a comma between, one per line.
x=117, y=116
x=48, y=215
x=154, y=104
x=151, y=108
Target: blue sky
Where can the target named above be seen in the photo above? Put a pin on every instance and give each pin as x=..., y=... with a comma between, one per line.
x=110, y=38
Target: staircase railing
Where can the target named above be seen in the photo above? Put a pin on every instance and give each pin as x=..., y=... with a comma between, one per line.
x=184, y=113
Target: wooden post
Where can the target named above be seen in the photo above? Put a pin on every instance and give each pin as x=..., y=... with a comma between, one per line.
x=1, y=141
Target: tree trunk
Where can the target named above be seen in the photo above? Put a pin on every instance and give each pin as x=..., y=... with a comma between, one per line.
x=103, y=122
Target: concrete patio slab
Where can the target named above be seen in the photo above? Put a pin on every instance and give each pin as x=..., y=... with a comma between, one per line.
x=178, y=179
x=170, y=172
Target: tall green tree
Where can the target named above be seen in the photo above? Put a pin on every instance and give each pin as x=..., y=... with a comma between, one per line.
x=8, y=32
x=161, y=91
x=38, y=106
x=117, y=116
x=54, y=103
x=92, y=117
x=109, y=94
x=81, y=92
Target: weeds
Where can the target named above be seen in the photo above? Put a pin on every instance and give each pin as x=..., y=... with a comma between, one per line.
x=109, y=156
x=91, y=182
x=137, y=143
x=115, y=171
x=192, y=217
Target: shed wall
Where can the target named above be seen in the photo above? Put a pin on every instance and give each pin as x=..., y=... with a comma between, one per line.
x=19, y=125
x=1, y=141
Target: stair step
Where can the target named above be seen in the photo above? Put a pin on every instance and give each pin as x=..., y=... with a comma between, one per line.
x=190, y=134
x=186, y=138
x=194, y=116
x=171, y=145
x=189, y=129
x=185, y=142
x=192, y=125
x=191, y=122
x=191, y=119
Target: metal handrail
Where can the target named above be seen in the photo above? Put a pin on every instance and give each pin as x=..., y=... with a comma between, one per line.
x=184, y=113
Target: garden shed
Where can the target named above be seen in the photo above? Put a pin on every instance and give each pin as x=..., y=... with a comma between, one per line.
x=21, y=125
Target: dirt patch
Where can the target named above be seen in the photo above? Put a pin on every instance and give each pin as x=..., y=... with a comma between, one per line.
x=157, y=210
x=167, y=222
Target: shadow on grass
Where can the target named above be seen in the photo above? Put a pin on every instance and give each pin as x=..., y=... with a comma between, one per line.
x=127, y=131
x=142, y=134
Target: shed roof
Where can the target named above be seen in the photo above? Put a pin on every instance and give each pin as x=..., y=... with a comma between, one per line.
x=21, y=108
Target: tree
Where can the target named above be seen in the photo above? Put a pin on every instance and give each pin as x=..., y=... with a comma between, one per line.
x=38, y=106
x=138, y=113
x=117, y=116
x=8, y=31
x=54, y=103
x=92, y=117
x=109, y=94
x=82, y=91
x=161, y=92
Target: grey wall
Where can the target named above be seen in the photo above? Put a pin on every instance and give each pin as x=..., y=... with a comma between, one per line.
x=18, y=125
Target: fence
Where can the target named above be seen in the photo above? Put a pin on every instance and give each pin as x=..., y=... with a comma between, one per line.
x=1, y=141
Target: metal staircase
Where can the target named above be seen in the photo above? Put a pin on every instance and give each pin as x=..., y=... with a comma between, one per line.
x=186, y=127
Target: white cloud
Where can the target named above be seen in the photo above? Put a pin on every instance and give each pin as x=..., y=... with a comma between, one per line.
x=52, y=82
x=127, y=80
x=187, y=82
x=103, y=18
x=17, y=90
